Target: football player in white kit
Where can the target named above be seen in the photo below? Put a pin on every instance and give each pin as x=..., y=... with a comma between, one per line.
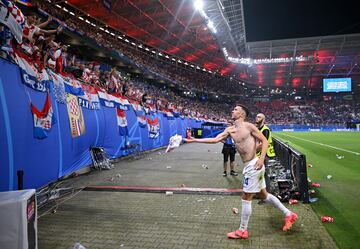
x=244, y=135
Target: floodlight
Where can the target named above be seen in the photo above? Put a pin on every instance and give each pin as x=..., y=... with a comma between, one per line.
x=198, y=4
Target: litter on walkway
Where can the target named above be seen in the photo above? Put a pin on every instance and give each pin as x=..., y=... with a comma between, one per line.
x=315, y=185
x=78, y=246
x=293, y=201
x=327, y=219
x=312, y=200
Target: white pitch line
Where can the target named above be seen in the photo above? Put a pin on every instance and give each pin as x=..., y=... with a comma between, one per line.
x=333, y=147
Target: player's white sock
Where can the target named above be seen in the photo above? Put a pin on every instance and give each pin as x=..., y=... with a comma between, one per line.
x=245, y=214
x=276, y=203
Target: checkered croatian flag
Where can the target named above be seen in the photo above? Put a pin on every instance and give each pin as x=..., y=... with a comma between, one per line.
x=15, y=12
x=43, y=120
x=13, y=18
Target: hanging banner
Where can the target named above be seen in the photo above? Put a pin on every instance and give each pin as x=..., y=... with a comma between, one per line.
x=43, y=120
x=122, y=122
x=106, y=99
x=76, y=118
x=154, y=128
x=139, y=111
x=36, y=78
x=120, y=101
x=90, y=98
x=59, y=87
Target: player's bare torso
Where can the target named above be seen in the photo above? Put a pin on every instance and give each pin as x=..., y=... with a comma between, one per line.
x=244, y=140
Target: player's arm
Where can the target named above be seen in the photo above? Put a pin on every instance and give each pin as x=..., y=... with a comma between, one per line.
x=266, y=134
x=219, y=138
x=264, y=145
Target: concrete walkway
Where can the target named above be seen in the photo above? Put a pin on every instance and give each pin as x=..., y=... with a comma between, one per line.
x=108, y=220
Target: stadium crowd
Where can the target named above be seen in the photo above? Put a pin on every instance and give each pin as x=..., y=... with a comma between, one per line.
x=40, y=43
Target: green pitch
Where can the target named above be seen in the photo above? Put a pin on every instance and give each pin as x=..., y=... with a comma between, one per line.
x=339, y=197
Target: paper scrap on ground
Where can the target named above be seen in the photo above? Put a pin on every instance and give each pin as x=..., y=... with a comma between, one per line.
x=174, y=142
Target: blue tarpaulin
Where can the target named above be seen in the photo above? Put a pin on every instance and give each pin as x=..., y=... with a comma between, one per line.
x=44, y=161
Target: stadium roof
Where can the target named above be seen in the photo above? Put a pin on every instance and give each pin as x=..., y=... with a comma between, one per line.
x=178, y=29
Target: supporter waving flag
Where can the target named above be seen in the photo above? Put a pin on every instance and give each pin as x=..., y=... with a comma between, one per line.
x=122, y=122
x=12, y=18
x=43, y=120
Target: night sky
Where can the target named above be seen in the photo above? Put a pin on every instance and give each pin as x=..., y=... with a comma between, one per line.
x=282, y=19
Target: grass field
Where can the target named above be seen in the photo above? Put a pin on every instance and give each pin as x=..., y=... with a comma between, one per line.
x=339, y=197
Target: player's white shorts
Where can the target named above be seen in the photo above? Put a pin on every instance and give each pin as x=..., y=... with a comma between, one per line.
x=254, y=180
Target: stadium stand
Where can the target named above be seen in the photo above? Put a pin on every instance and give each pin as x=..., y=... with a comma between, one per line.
x=43, y=46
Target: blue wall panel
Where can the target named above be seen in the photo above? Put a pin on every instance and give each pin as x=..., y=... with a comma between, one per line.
x=46, y=160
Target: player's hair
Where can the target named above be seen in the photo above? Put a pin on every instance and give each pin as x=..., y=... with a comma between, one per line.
x=247, y=112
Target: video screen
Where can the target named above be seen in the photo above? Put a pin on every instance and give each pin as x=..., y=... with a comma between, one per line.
x=337, y=85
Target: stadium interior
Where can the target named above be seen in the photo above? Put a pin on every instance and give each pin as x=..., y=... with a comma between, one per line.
x=169, y=66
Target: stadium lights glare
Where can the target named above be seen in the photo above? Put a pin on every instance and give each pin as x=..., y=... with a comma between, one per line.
x=133, y=43
x=192, y=65
x=173, y=59
x=112, y=34
x=154, y=52
x=160, y=54
x=204, y=69
x=107, y=31
x=225, y=52
x=147, y=49
x=198, y=4
x=58, y=6
x=87, y=21
x=127, y=40
x=167, y=57
x=81, y=18
x=120, y=37
x=101, y=28
x=65, y=9
x=186, y=63
x=249, y=61
x=140, y=46
x=93, y=24
x=179, y=61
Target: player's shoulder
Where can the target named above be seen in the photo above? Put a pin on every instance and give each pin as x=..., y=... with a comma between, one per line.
x=250, y=125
